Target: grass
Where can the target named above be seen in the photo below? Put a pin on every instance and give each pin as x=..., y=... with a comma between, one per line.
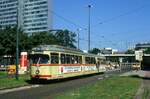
x=10, y=82
x=111, y=88
x=146, y=93
x=2, y=73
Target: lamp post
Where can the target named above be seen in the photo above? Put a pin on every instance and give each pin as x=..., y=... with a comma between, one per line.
x=89, y=25
x=17, y=47
x=78, y=32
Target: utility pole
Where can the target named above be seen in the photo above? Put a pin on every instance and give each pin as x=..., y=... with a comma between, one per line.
x=17, y=47
x=78, y=33
x=89, y=25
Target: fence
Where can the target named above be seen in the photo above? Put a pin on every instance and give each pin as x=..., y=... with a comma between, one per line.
x=130, y=66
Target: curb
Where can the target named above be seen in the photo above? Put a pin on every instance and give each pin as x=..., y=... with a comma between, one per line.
x=140, y=92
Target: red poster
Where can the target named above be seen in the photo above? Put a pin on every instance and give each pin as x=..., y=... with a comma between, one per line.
x=23, y=59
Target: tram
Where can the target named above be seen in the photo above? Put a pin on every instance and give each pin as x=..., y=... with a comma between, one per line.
x=54, y=62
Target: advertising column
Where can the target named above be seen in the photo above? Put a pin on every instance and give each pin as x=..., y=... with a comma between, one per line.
x=23, y=63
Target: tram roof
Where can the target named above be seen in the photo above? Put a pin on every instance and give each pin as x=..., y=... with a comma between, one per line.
x=55, y=48
x=60, y=49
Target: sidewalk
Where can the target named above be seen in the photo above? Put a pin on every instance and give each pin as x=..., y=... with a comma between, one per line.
x=135, y=73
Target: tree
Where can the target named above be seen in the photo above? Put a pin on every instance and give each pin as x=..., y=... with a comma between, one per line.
x=1, y=45
x=94, y=51
x=43, y=38
x=8, y=41
x=66, y=38
x=129, y=52
x=147, y=51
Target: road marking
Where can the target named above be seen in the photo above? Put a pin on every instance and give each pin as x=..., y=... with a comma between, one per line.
x=100, y=78
x=18, y=89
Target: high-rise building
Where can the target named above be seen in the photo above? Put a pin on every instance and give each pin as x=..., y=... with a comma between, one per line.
x=33, y=15
x=8, y=13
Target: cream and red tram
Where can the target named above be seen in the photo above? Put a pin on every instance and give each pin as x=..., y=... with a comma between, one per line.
x=53, y=62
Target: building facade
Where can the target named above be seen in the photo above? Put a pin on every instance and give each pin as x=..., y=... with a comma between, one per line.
x=142, y=46
x=8, y=13
x=32, y=15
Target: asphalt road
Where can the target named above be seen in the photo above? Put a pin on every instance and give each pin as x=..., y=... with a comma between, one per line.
x=48, y=90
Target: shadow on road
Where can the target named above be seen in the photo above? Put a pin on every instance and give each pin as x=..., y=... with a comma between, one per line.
x=137, y=76
x=44, y=81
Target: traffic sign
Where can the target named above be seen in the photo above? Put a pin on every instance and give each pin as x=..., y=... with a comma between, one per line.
x=139, y=55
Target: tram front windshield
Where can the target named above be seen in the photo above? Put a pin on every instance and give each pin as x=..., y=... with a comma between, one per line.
x=39, y=58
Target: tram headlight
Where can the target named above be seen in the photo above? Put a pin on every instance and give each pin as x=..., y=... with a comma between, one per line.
x=37, y=72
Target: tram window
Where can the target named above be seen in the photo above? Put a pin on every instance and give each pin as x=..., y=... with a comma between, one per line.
x=73, y=59
x=87, y=60
x=90, y=60
x=68, y=59
x=93, y=61
x=54, y=58
x=63, y=59
x=99, y=60
x=80, y=59
x=76, y=59
x=39, y=58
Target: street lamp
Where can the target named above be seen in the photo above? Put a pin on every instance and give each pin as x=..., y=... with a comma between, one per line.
x=17, y=43
x=89, y=25
x=78, y=31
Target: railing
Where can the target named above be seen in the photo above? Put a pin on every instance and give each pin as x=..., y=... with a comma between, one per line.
x=130, y=66
x=119, y=68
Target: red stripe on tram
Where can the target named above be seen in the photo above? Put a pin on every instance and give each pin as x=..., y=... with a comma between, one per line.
x=41, y=75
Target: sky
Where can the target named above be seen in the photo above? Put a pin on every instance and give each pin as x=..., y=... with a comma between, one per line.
x=117, y=24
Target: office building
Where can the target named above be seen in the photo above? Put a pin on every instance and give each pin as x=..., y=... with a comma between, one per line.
x=32, y=15
x=8, y=13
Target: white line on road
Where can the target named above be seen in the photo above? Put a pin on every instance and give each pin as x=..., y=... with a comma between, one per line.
x=18, y=89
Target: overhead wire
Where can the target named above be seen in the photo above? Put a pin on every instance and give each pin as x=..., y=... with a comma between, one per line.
x=122, y=15
x=66, y=20
x=102, y=22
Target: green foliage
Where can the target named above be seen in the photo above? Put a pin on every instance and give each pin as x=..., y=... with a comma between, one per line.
x=147, y=51
x=8, y=40
x=66, y=38
x=94, y=51
x=43, y=38
x=1, y=45
x=129, y=52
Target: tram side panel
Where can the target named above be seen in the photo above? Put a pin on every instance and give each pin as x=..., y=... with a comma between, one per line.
x=54, y=72
x=49, y=70
x=76, y=70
